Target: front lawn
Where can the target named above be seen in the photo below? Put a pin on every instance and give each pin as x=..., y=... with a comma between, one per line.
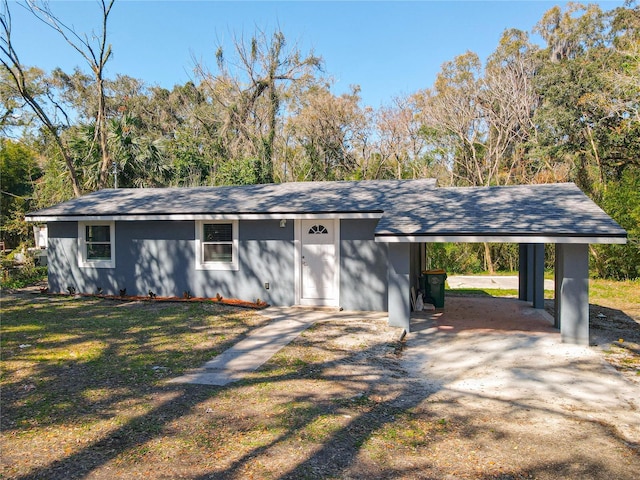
x=86, y=371
x=84, y=395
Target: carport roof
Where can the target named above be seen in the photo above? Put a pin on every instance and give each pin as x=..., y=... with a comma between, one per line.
x=551, y=213
x=409, y=210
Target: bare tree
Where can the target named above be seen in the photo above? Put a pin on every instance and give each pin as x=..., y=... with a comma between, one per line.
x=488, y=114
x=508, y=102
x=23, y=82
x=327, y=128
x=453, y=109
x=96, y=52
x=250, y=88
x=400, y=139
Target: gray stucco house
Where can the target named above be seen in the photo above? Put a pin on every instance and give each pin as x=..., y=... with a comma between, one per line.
x=354, y=245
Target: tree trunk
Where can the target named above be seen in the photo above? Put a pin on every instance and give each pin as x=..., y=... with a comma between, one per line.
x=488, y=259
x=96, y=58
x=603, y=184
x=21, y=84
x=44, y=118
x=596, y=261
x=70, y=168
x=101, y=127
x=267, y=167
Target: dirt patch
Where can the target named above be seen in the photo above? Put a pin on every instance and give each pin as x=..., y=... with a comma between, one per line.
x=529, y=404
x=483, y=389
x=615, y=334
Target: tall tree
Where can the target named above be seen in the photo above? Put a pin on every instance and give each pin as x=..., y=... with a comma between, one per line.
x=401, y=142
x=453, y=109
x=326, y=128
x=27, y=84
x=96, y=51
x=587, y=114
x=572, y=31
x=18, y=170
x=250, y=88
x=508, y=101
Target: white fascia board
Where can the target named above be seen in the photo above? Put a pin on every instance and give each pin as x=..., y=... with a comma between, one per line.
x=498, y=239
x=218, y=216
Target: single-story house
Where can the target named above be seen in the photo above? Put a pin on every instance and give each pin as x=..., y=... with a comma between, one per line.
x=354, y=245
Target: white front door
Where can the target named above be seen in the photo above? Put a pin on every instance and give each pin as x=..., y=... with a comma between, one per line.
x=318, y=262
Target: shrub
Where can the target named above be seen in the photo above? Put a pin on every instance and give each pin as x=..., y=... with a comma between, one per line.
x=20, y=274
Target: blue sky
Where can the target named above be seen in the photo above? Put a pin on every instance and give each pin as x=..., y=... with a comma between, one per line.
x=388, y=48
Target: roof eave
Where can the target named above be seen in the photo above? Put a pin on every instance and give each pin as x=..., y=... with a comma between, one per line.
x=203, y=216
x=573, y=238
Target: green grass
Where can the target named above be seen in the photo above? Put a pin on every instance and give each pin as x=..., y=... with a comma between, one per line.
x=600, y=290
x=410, y=430
x=627, y=291
x=79, y=387
x=321, y=428
x=63, y=355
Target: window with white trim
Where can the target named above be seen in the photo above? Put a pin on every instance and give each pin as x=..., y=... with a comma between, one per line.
x=217, y=245
x=96, y=244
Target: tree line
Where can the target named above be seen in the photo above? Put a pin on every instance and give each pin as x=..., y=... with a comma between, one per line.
x=565, y=110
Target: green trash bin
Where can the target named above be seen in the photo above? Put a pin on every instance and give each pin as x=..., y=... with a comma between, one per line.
x=432, y=283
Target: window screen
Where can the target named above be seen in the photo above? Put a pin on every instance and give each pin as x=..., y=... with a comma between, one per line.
x=213, y=252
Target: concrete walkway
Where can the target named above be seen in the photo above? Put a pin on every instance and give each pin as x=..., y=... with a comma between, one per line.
x=258, y=347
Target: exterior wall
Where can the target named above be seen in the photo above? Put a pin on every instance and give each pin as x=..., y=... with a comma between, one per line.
x=160, y=256
x=399, y=273
x=531, y=273
x=525, y=272
x=363, y=267
x=62, y=257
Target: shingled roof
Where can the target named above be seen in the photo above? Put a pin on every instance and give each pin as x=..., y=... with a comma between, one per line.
x=559, y=209
x=290, y=197
x=407, y=208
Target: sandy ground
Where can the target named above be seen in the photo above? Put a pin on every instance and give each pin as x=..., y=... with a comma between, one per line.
x=513, y=401
x=493, y=359
x=514, y=357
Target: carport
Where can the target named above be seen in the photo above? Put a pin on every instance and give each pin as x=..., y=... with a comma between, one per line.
x=529, y=215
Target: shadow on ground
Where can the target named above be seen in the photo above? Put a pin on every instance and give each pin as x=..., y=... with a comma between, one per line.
x=345, y=400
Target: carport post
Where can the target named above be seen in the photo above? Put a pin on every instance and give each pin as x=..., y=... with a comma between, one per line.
x=538, y=275
x=398, y=276
x=572, y=292
x=558, y=275
x=525, y=272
